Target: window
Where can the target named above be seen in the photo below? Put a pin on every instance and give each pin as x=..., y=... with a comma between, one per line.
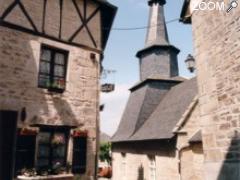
x=52, y=149
x=25, y=152
x=124, y=166
x=79, y=155
x=52, y=69
x=152, y=168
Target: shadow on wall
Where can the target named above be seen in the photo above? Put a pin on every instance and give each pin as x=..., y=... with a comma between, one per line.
x=140, y=173
x=230, y=169
x=42, y=107
x=65, y=112
x=166, y=149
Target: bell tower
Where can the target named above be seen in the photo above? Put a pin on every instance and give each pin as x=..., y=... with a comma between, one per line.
x=158, y=74
x=158, y=59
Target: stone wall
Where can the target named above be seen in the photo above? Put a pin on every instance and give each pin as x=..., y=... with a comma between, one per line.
x=138, y=164
x=217, y=51
x=78, y=105
x=191, y=167
x=138, y=167
x=190, y=154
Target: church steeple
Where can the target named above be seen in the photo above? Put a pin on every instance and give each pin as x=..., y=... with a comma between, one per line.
x=158, y=59
x=157, y=32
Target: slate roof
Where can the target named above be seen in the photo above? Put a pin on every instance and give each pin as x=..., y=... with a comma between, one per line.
x=130, y=116
x=162, y=120
x=196, y=138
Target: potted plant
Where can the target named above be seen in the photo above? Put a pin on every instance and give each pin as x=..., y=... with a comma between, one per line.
x=58, y=139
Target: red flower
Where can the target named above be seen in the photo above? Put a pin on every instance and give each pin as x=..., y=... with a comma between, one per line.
x=80, y=133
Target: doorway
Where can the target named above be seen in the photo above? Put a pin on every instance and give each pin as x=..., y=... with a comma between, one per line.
x=8, y=126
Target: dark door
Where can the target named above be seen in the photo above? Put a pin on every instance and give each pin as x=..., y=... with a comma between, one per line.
x=79, y=161
x=8, y=125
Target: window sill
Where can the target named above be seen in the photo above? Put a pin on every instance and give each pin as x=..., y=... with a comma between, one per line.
x=58, y=177
x=56, y=90
x=53, y=89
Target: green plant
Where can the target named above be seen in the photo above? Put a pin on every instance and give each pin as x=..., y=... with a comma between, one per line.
x=57, y=168
x=29, y=172
x=105, y=152
x=68, y=167
x=48, y=83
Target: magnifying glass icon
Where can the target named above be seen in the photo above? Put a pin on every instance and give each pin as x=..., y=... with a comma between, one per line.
x=233, y=4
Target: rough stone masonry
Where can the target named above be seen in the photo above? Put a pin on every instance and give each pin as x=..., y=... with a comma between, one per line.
x=217, y=50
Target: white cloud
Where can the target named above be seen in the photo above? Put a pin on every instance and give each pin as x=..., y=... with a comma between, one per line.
x=115, y=103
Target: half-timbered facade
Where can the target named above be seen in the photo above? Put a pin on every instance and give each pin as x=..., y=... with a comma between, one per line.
x=50, y=62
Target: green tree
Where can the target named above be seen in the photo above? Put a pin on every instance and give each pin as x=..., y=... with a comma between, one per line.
x=105, y=152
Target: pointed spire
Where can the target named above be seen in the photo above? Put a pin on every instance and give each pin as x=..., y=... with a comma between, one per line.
x=157, y=32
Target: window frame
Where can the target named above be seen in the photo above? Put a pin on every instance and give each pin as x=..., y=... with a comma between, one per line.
x=152, y=167
x=124, y=165
x=52, y=131
x=52, y=64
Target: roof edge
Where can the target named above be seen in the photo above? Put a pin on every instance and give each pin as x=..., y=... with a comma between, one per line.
x=142, y=83
x=196, y=137
x=142, y=140
x=185, y=115
x=108, y=15
x=153, y=47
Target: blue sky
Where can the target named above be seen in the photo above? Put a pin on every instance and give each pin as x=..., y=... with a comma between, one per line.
x=122, y=47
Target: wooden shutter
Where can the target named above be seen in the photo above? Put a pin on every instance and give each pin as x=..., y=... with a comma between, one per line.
x=25, y=152
x=79, y=155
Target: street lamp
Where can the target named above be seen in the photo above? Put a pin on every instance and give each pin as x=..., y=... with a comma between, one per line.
x=190, y=63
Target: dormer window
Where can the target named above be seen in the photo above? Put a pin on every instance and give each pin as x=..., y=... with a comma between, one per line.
x=52, y=69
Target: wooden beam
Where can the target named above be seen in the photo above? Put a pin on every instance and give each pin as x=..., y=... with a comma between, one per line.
x=44, y=15
x=83, y=22
x=27, y=16
x=85, y=9
x=61, y=13
x=9, y=9
x=78, y=10
x=29, y=31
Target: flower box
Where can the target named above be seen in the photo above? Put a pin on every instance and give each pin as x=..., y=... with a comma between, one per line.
x=28, y=132
x=107, y=88
x=55, y=177
x=80, y=133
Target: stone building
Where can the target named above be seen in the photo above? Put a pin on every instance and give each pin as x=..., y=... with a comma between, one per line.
x=216, y=37
x=159, y=136
x=50, y=61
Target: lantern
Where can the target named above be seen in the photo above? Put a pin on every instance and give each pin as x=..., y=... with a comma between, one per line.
x=190, y=63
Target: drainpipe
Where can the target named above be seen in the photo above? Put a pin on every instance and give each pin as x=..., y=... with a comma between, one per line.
x=98, y=71
x=178, y=153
